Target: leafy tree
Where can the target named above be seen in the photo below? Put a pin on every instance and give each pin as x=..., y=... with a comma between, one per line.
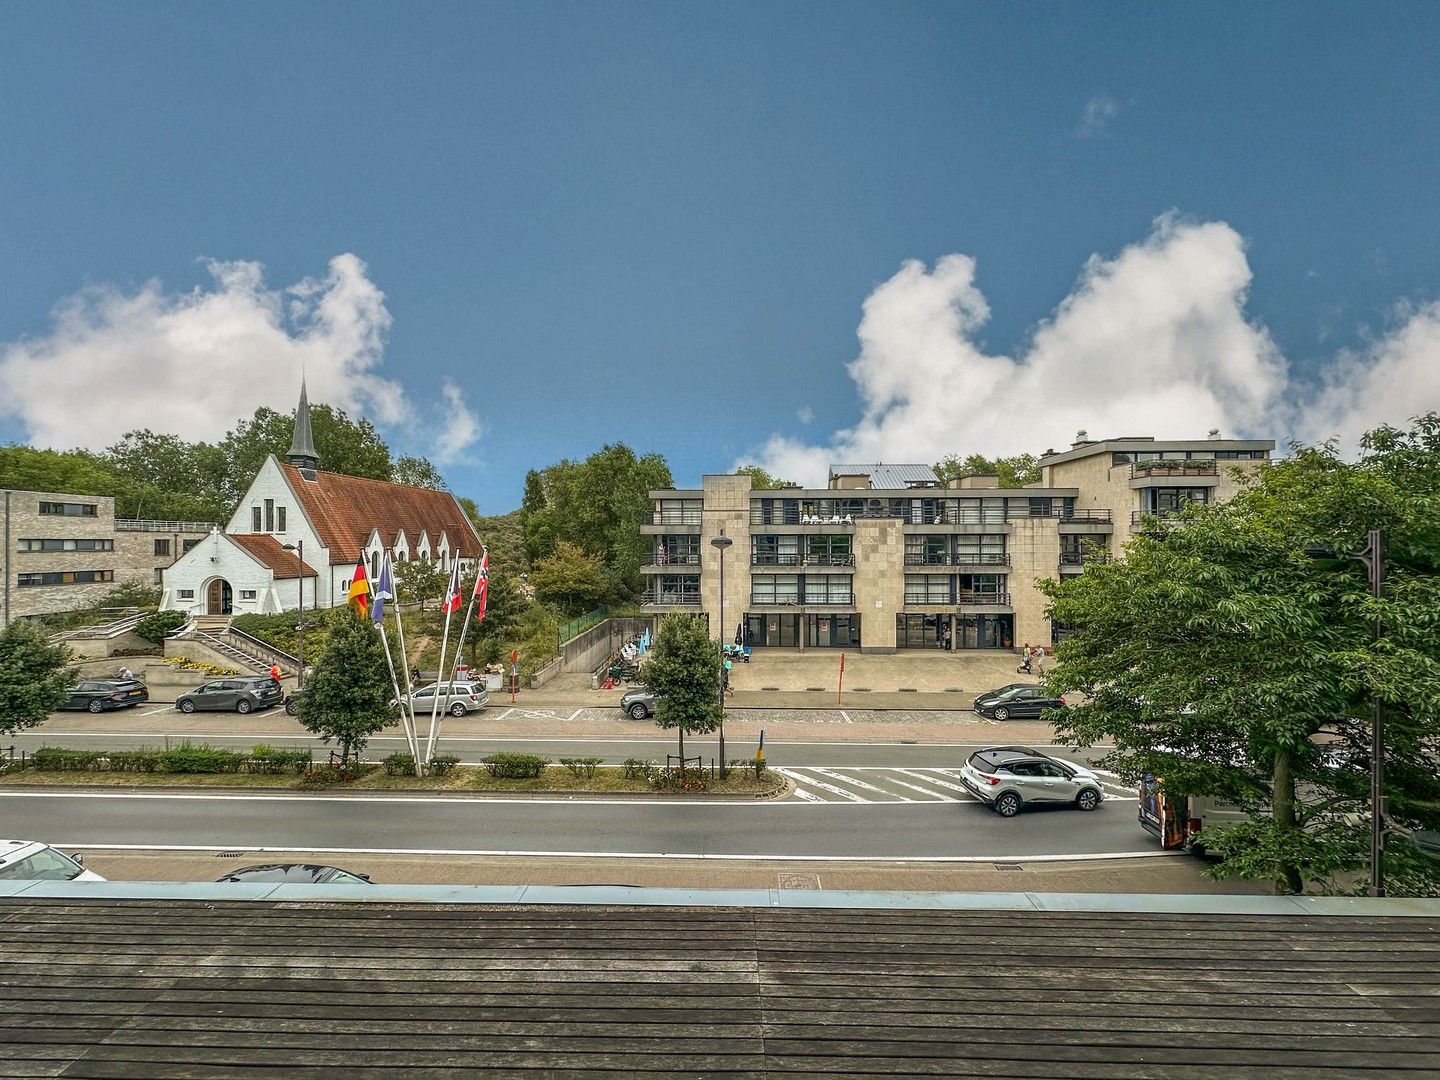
x=1014, y=472
x=536, y=528
x=136, y=594
x=34, y=676
x=683, y=672
x=569, y=578
x=503, y=535
x=344, y=445
x=155, y=628
x=1225, y=657
x=419, y=581
x=762, y=480
x=348, y=696
x=503, y=608
x=418, y=472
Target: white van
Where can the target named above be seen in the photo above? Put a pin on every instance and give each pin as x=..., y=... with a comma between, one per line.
x=30, y=860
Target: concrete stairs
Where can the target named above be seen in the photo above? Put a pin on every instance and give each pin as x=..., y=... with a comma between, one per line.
x=235, y=656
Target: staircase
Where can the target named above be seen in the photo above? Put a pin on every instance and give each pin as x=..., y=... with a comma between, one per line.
x=240, y=658
x=111, y=629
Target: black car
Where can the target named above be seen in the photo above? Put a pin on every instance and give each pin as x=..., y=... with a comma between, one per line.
x=97, y=695
x=296, y=874
x=240, y=693
x=1016, y=702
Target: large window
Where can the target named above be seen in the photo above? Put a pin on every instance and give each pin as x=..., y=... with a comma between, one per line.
x=979, y=585
x=162, y=547
x=680, y=511
x=772, y=631
x=827, y=589
x=769, y=550
x=1171, y=500
x=922, y=631
x=67, y=545
x=775, y=511
x=829, y=550
x=984, y=631
x=64, y=509
x=927, y=550
x=64, y=577
x=980, y=549
x=677, y=589
x=681, y=550
x=928, y=588
x=774, y=589
x=832, y=631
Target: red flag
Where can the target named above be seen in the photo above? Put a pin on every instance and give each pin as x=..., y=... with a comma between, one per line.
x=452, y=591
x=482, y=585
x=359, y=594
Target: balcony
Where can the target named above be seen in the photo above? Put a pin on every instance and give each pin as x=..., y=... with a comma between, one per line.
x=1152, y=474
x=828, y=599
x=1074, y=562
x=665, y=562
x=840, y=559
x=790, y=558
x=959, y=558
x=1153, y=520
x=967, y=601
x=669, y=598
x=675, y=521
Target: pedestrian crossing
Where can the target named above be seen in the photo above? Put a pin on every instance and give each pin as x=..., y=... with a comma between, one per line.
x=883, y=784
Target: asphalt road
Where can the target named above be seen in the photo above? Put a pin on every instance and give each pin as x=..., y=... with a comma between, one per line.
x=435, y=825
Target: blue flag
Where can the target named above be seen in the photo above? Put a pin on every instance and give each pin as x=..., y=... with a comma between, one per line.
x=384, y=589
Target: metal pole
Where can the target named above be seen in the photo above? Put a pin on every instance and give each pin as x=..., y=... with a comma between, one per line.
x=720, y=637
x=300, y=579
x=1375, y=563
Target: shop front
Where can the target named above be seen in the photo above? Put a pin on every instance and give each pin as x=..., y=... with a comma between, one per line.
x=832, y=631
x=774, y=630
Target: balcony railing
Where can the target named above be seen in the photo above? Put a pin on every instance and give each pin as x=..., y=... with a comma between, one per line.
x=1157, y=518
x=826, y=600
x=959, y=558
x=137, y=525
x=944, y=516
x=968, y=599
x=676, y=517
x=830, y=558
x=1143, y=469
x=687, y=558
x=669, y=598
x=791, y=558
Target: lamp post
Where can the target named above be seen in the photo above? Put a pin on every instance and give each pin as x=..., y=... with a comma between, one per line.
x=299, y=548
x=1373, y=559
x=720, y=543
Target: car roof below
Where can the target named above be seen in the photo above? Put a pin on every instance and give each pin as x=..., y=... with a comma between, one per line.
x=18, y=849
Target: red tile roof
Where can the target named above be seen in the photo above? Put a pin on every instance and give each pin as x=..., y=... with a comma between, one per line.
x=345, y=509
x=270, y=552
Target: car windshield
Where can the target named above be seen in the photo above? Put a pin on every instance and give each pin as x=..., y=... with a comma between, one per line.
x=45, y=865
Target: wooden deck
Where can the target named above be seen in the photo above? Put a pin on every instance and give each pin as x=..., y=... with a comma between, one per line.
x=157, y=989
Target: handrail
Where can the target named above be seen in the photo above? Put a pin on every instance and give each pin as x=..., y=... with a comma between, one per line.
x=148, y=525
x=958, y=558
x=776, y=559
x=275, y=652
x=830, y=559
x=1142, y=469
x=676, y=517
x=660, y=558
x=797, y=601
x=653, y=599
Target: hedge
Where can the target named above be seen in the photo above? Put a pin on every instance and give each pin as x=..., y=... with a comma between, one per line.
x=515, y=766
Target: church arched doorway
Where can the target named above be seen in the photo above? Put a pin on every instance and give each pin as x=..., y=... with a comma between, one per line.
x=219, y=598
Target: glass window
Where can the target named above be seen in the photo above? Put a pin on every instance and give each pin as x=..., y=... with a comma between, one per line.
x=247, y=594
x=186, y=594
x=269, y=515
x=928, y=588
x=280, y=519
x=162, y=547
x=46, y=865
x=256, y=522
x=189, y=545
x=64, y=509
x=774, y=589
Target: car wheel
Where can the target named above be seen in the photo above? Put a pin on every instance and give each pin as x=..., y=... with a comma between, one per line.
x=1088, y=799
x=289, y=708
x=95, y=705
x=458, y=709
x=1008, y=804
x=242, y=707
x=187, y=706
x=1002, y=714
x=638, y=711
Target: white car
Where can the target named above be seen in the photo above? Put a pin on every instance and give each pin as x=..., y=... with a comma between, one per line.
x=30, y=860
x=1008, y=777
x=456, y=698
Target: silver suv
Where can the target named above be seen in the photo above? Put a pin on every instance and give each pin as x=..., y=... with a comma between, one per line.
x=1008, y=777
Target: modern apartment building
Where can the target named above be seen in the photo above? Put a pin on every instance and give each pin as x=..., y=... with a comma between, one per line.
x=885, y=557
x=66, y=552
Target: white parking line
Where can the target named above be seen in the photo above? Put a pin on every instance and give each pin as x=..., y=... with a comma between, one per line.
x=162, y=708
x=506, y=713
x=574, y=714
x=846, y=716
x=841, y=778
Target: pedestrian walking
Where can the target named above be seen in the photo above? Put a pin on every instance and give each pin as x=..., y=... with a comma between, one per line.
x=1026, y=658
x=414, y=677
x=275, y=673
x=1040, y=659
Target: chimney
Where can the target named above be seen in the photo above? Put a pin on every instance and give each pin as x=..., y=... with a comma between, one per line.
x=1214, y=433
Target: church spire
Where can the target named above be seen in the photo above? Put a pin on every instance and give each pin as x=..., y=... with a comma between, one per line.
x=302, y=447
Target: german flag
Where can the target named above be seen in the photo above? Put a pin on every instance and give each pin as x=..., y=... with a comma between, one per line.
x=360, y=589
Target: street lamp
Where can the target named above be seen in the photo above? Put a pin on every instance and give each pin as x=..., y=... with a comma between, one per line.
x=299, y=548
x=720, y=543
x=1373, y=559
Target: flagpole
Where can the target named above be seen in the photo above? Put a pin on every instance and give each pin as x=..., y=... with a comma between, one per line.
x=407, y=705
x=400, y=699
x=440, y=679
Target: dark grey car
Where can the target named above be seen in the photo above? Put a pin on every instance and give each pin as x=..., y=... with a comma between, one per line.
x=241, y=694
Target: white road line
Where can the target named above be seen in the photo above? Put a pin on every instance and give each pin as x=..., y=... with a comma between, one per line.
x=162, y=708
x=485, y=852
x=574, y=714
x=846, y=716
x=843, y=779
x=477, y=801
x=919, y=774
x=809, y=796
x=935, y=796
x=506, y=713
x=850, y=795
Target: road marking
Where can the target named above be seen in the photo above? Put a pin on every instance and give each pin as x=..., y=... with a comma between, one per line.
x=841, y=778
x=934, y=795
x=823, y=786
x=506, y=713
x=846, y=715
x=162, y=708
x=716, y=856
x=807, y=795
x=574, y=714
x=475, y=800
x=918, y=774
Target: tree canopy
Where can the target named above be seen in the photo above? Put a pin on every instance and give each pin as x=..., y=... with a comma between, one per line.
x=682, y=670
x=596, y=505
x=1227, y=656
x=158, y=475
x=348, y=696
x=571, y=579
x=34, y=676
x=762, y=480
x=1015, y=471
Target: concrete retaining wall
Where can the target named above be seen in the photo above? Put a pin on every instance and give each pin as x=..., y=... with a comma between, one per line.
x=587, y=651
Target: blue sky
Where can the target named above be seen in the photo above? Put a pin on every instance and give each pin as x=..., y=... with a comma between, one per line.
x=658, y=223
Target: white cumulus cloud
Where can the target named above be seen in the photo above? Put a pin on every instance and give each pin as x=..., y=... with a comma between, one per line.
x=1155, y=340
x=462, y=428
x=193, y=363
x=1097, y=116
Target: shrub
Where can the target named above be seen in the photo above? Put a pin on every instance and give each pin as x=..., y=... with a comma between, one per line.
x=755, y=763
x=142, y=761
x=515, y=766
x=324, y=775
x=188, y=758
x=155, y=628
x=272, y=760
x=441, y=764
x=58, y=759
x=399, y=765
x=679, y=780
x=581, y=766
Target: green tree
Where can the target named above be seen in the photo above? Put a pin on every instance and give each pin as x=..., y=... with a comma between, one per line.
x=344, y=445
x=348, y=696
x=503, y=607
x=762, y=480
x=536, y=527
x=34, y=676
x=503, y=535
x=418, y=581
x=683, y=672
x=155, y=628
x=417, y=472
x=1013, y=472
x=569, y=578
x=1223, y=656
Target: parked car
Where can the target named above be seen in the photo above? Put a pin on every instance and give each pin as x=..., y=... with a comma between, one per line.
x=1008, y=777
x=241, y=693
x=457, y=698
x=639, y=703
x=1016, y=701
x=296, y=874
x=292, y=700
x=97, y=695
x=30, y=860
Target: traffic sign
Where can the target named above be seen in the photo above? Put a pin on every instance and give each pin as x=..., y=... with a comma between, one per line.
x=514, y=656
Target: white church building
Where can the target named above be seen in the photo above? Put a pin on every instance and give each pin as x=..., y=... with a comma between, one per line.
x=298, y=532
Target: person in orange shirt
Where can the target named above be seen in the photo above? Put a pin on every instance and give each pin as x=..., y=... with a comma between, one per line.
x=275, y=672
